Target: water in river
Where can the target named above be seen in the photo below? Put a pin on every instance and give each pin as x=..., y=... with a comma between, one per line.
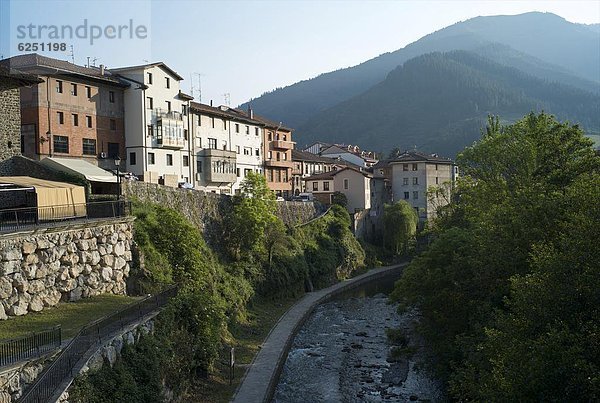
x=341, y=355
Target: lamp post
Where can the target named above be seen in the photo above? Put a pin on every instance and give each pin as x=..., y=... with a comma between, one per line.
x=118, y=164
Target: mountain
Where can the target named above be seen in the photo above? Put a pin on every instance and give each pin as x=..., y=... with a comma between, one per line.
x=548, y=47
x=438, y=102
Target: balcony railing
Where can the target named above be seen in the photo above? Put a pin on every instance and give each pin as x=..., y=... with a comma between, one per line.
x=19, y=219
x=279, y=164
x=170, y=142
x=282, y=145
x=160, y=113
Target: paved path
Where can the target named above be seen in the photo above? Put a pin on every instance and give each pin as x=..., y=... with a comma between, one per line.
x=262, y=374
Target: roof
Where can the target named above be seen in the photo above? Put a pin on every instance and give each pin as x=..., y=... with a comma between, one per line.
x=335, y=150
x=35, y=64
x=149, y=65
x=268, y=123
x=81, y=168
x=298, y=155
x=29, y=182
x=21, y=79
x=416, y=156
x=224, y=111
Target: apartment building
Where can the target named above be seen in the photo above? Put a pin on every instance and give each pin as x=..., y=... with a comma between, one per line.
x=355, y=184
x=157, y=124
x=227, y=145
x=413, y=173
x=307, y=164
x=75, y=112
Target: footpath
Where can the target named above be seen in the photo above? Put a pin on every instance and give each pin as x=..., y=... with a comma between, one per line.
x=263, y=373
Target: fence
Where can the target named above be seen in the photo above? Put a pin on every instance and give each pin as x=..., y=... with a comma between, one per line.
x=61, y=371
x=31, y=346
x=23, y=218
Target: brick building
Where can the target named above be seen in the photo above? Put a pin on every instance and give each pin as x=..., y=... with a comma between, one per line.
x=10, y=112
x=74, y=112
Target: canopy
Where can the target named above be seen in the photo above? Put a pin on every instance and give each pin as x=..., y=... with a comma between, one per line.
x=70, y=198
x=81, y=168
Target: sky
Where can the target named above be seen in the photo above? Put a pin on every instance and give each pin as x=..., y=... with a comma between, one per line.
x=231, y=51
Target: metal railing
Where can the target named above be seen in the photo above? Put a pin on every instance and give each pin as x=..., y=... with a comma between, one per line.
x=23, y=218
x=62, y=370
x=33, y=345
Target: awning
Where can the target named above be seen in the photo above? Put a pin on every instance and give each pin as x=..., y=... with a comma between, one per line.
x=81, y=168
x=70, y=199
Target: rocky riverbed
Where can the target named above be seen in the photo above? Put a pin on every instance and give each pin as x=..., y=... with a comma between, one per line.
x=342, y=355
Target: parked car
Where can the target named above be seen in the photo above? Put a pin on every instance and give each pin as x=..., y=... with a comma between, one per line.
x=306, y=197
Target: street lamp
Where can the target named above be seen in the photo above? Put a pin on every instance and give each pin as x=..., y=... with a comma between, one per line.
x=118, y=164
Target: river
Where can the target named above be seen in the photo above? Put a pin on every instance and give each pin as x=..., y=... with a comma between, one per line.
x=341, y=354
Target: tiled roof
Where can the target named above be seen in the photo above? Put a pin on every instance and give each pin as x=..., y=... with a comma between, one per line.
x=33, y=63
x=416, y=156
x=224, y=112
x=146, y=66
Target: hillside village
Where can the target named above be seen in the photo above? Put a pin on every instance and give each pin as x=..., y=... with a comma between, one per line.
x=136, y=124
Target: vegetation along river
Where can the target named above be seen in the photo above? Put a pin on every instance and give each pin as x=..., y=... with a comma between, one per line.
x=342, y=354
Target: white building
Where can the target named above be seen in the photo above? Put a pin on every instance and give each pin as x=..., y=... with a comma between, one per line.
x=413, y=173
x=227, y=145
x=351, y=154
x=355, y=184
x=156, y=124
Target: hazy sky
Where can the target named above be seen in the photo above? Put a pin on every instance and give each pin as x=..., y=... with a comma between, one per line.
x=245, y=48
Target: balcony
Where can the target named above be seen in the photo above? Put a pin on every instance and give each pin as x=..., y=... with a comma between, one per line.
x=169, y=142
x=218, y=166
x=279, y=164
x=282, y=145
x=160, y=113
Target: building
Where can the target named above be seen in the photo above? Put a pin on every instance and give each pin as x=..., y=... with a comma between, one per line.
x=349, y=153
x=277, y=156
x=227, y=145
x=157, y=124
x=10, y=109
x=413, y=173
x=74, y=112
x=355, y=184
x=307, y=164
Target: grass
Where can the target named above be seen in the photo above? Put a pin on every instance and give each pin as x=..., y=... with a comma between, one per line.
x=247, y=338
x=72, y=316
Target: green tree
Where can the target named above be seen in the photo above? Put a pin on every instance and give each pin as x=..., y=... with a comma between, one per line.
x=399, y=226
x=339, y=198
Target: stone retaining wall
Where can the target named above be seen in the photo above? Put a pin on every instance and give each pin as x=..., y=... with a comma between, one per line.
x=15, y=380
x=41, y=267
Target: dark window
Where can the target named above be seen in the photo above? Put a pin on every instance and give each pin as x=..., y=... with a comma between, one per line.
x=61, y=117
x=224, y=124
x=149, y=103
x=75, y=119
x=111, y=97
x=270, y=136
x=405, y=181
x=415, y=195
x=168, y=105
x=185, y=134
x=237, y=127
x=168, y=82
x=132, y=158
x=151, y=158
x=256, y=131
x=315, y=186
x=326, y=186
x=346, y=184
x=257, y=152
x=61, y=144
x=437, y=180
x=88, y=91
x=89, y=146
x=405, y=167
x=406, y=195
x=184, y=110
x=212, y=144
x=415, y=181
x=170, y=159
x=212, y=121
x=186, y=161
x=247, y=129
x=113, y=150
x=88, y=121
x=113, y=124
x=149, y=78
x=237, y=172
x=74, y=89
x=59, y=86
x=150, y=130
x=414, y=167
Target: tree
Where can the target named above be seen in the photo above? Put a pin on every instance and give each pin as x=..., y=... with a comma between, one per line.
x=339, y=198
x=399, y=226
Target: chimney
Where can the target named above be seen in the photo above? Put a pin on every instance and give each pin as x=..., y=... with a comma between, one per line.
x=250, y=112
x=101, y=69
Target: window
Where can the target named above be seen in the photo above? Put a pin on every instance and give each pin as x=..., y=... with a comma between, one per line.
x=247, y=129
x=224, y=145
x=111, y=97
x=150, y=129
x=237, y=127
x=436, y=167
x=224, y=124
x=61, y=144
x=168, y=82
x=270, y=175
x=257, y=152
x=414, y=167
x=59, y=86
x=74, y=90
x=186, y=161
x=284, y=137
x=415, y=195
x=285, y=156
x=237, y=149
x=405, y=167
x=199, y=163
x=237, y=172
x=315, y=186
x=149, y=103
x=278, y=156
x=415, y=181
x=406, y=195
x=184, y=110
x=168, y=105
x=199, y=120
x=169, y=159
x=270, y=136
x=437, y=180
x=132, y=158
x=61, y=117
x=270, y=155
x=88, y=91
x=212, y=144
x=346, y=184
x=247, y=151
x=404, y=181
x=113, y=150
x=326, y=186
x=256, y=131
x=185, y=134
x=151, y=158
x=88, y=121
x=212, y=122
x=149, y=78
x=75, y=118
x=89, y=146
x=113, y=124
x=247, y=171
